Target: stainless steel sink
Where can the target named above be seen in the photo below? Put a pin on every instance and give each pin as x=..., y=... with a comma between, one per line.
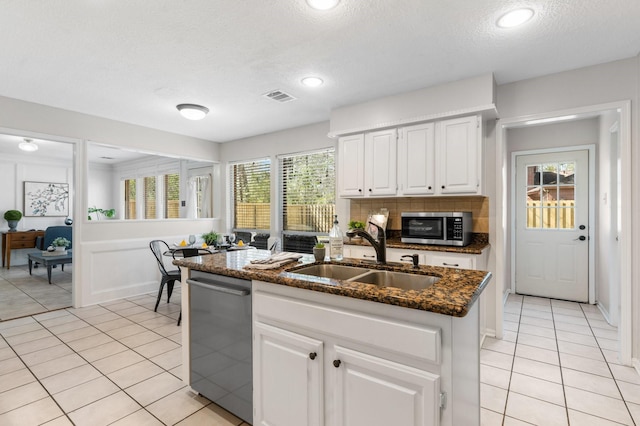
x=368, y=276
x=326, y=270
x=397, y=279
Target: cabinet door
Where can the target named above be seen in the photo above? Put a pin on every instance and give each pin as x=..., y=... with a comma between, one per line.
x=395, y=255
x=372, y=391
x=351, y=166
x=380, y=156
x=287, y=380
x=362, y=252
x=451, y=260
x=416, y=160
x=458, y=154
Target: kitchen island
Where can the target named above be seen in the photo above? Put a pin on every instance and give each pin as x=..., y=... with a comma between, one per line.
x=333, y=351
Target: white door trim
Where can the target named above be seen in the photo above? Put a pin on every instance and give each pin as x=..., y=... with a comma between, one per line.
x=502, y=212
x=592, y=209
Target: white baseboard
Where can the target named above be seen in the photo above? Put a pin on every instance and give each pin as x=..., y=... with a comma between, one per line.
x=487, y=332
x=635, y=363
x=505, y=296
x=604, y=313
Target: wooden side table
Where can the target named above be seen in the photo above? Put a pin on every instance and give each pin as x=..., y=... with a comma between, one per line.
x=17, y=240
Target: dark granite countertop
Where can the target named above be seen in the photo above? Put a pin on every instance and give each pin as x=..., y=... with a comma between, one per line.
x=452, y=295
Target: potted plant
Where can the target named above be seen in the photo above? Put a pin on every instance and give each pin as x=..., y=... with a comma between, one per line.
x=356, y=224
x=60, y=243
x=12, y=217
x=319, y=252
x=211, y=238
x=108, y=213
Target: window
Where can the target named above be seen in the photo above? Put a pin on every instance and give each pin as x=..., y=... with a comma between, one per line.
x=150, y=197
x=551, y=196
x=130, y=199
x=308, y=191
x=251, y=197
x=171, y=196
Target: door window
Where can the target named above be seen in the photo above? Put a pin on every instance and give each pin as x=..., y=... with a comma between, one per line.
x=550, y=196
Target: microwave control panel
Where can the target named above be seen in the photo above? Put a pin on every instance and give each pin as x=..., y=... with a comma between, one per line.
x=455, y=231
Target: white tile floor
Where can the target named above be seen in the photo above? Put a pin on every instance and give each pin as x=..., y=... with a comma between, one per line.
x=117, y=363
x=557, y=365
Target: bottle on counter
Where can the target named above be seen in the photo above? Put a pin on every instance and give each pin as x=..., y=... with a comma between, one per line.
x=335, y=241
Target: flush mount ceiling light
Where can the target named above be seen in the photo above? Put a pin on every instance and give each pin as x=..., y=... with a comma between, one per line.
x=515, y=18
x=192, y=111
x=323, y=4
x=28, y=145
x=312, y=81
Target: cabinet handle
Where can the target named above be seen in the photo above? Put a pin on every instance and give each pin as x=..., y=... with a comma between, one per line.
x=359, y=189
x=369, y=256
x=450, y=264
x=313, y=355
x=369, y=189
x=442, y=186
x=429, y=188
x=336, y=363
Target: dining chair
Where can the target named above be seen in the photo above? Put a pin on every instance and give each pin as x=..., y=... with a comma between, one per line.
x=188, y=252
x=158, y=247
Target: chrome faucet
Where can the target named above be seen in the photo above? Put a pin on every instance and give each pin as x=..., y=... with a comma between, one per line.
x=380, y=246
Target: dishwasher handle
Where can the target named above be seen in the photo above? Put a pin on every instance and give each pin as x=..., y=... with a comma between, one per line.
x=212, y=285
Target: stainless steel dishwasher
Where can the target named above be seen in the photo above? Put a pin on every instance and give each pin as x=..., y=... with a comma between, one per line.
x=220, y=327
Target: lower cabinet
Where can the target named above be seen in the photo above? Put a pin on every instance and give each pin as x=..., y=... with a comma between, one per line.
x=290, y=375
x=321, y=359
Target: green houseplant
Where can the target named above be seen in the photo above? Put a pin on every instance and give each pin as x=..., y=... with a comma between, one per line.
x=356, y=224
x=60, y=243
x=12, y=217
x=211, y=238
x=319, y=252
x=108, y=213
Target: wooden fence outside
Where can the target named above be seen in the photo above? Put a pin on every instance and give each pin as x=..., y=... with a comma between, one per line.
x=313, y=218
x=551, y=214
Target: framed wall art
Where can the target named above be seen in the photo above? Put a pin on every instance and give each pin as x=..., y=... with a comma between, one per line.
x=46, y=199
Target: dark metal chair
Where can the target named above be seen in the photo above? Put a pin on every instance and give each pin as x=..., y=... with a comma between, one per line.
x=186, y=252
x=260, y=241
x=158, y=247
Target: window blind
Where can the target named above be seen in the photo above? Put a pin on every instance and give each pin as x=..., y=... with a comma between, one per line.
x=130, y=199
x=251, y=186
x=150, y=197
x=308, y=191
x=171, y=196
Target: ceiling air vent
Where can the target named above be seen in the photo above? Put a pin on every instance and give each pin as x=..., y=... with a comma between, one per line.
x=279, y=96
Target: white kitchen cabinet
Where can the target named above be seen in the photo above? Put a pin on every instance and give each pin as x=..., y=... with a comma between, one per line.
x=290, y=374
x=458, y=155
x=417, y=160
x=367, y=164
x=451, y=260
x=380, y=364
x=362, y=379
x=360, y=252
x=351, y=165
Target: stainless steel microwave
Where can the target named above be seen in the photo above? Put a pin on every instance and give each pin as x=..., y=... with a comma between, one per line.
x=439, y=228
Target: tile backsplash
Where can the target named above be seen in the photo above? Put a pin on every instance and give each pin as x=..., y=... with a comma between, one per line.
x=478, y=206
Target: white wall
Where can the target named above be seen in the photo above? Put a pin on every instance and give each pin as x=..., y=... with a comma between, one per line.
x=102, y=187
x=111, y=258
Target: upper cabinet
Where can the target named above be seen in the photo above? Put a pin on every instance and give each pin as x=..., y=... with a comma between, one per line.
x=367, y=164
x=436, y=158
x=458, y=155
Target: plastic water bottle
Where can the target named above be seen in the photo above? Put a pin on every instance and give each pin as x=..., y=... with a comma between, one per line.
x=335, y=241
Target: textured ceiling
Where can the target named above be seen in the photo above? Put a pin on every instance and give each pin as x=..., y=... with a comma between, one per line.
x=135, y=60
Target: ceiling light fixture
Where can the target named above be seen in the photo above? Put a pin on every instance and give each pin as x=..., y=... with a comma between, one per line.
x=312, y=81
x=515, y=18
x=192, y=111
x=551, y=119
x=28, y=145
x=323, y=4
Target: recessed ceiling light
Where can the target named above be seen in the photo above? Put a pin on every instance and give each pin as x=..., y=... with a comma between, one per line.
x=28, y=145
x=312, y=81
x=323, y=4
x=551, y=119
x=515, y=18
x=192, y=111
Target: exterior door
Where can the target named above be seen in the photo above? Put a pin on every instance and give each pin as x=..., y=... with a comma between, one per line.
x=552, y=225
